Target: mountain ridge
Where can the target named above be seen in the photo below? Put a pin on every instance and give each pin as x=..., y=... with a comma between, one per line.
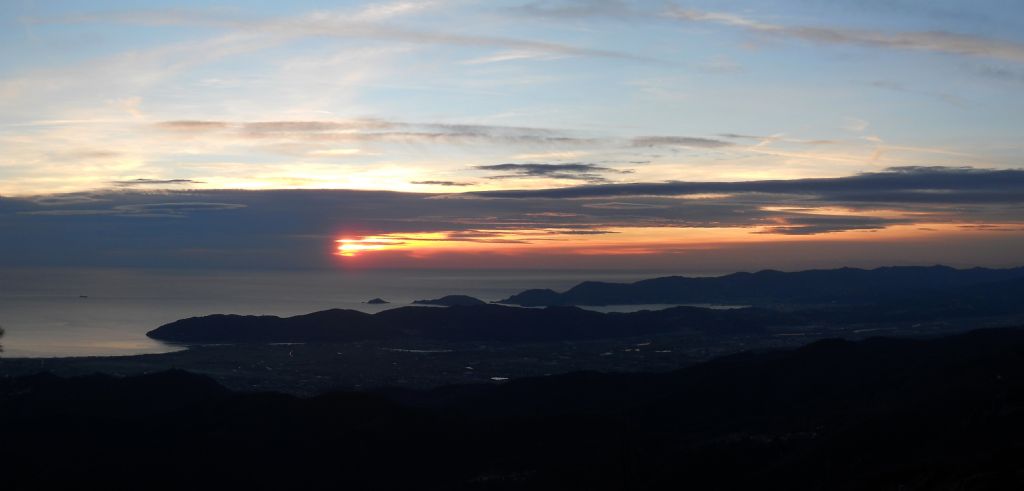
x=768, y=287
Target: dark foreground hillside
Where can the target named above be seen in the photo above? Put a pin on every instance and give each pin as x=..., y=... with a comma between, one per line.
x=877, y=414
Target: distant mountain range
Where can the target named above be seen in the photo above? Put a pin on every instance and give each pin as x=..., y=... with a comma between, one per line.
x=967, y=298
x=772, y=288
x=936, y=414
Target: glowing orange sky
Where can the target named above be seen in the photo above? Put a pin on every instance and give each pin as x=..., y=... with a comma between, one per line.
x=625, y=241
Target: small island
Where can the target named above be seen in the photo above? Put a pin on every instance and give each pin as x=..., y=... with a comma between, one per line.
x=452, y=301
x=377, y=301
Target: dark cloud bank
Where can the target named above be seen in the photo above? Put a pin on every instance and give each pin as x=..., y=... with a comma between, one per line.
x=295, y=228
x=895, y=185
x=575, y=171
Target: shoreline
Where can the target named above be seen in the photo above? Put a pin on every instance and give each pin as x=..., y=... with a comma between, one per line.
x=316, y=368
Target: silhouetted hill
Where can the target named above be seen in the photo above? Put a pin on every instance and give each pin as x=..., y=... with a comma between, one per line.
x=498, y=323
x=842, y=286
x=452, y=301
x=463, y=323
x=336, y=325
x=938, y=414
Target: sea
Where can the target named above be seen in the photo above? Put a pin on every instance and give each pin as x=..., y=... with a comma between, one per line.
x=59, y=312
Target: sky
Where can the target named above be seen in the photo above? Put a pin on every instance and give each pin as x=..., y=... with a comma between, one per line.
x=683, y=135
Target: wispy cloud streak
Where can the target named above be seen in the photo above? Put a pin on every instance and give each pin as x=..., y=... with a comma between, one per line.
x=367, y=24
x=934, y=41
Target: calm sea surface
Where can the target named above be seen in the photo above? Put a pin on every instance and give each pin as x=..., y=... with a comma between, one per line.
x=96, y=312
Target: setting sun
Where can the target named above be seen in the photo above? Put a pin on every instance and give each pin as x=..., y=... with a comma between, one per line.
x=352, y=247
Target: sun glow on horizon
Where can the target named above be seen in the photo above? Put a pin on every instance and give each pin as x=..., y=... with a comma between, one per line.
x=352, y=247
x=613, y=241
